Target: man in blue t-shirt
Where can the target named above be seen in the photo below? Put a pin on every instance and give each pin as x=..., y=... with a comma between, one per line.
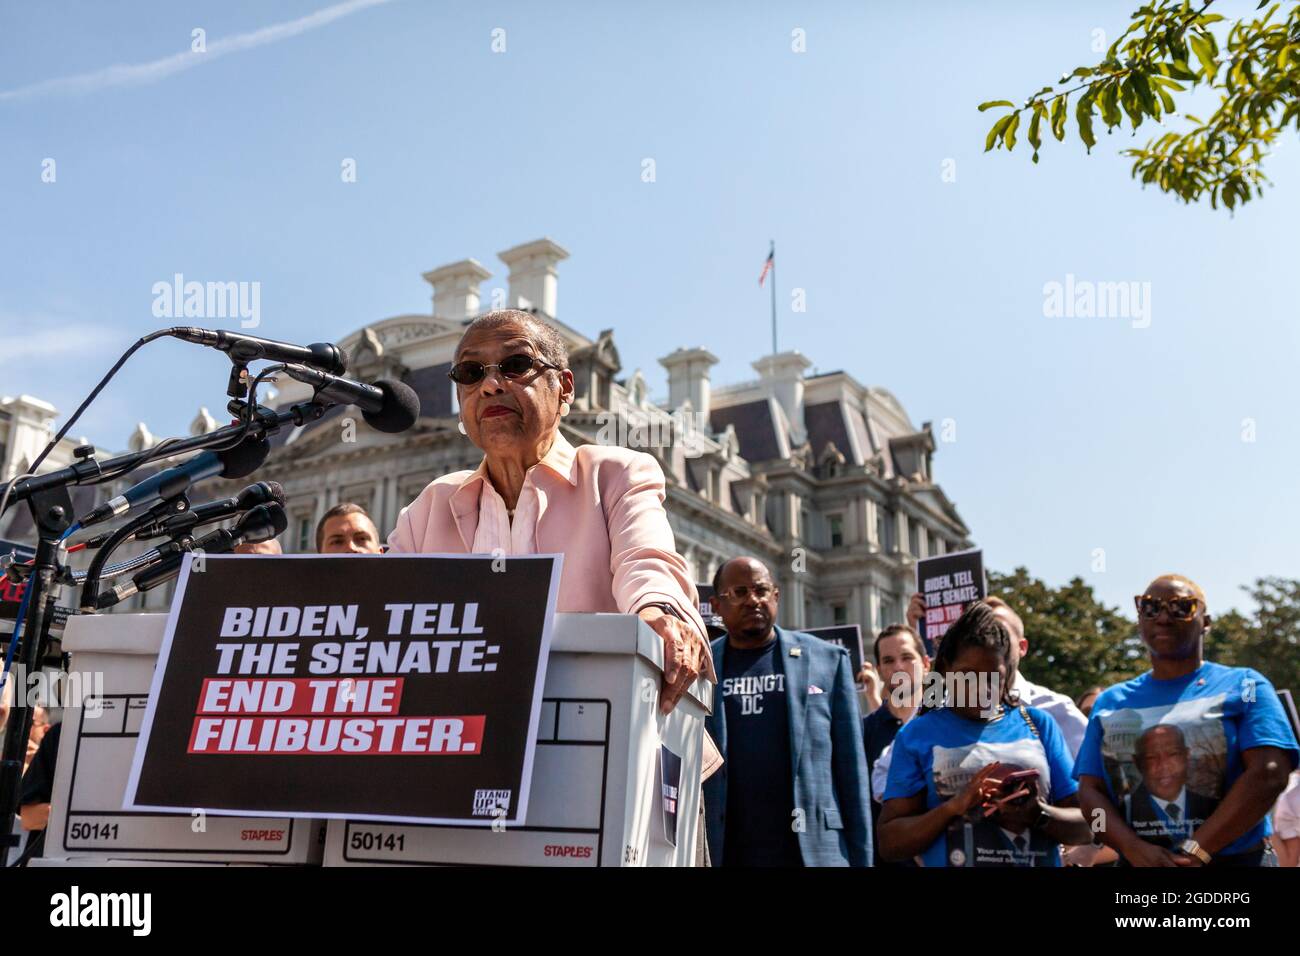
x=793, y=787
x=1185, y=762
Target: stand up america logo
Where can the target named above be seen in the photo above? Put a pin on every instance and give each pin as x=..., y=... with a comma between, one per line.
x=488, y=802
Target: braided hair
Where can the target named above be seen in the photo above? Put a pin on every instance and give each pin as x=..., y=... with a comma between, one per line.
x=977, y=627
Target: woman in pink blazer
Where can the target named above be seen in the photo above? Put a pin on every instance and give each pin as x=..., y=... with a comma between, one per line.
x=534, y=493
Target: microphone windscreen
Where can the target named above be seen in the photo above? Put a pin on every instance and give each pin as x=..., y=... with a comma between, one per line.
x=400, y=410
x=260, y=493
x=245, y=458
x=279, y=522
x=261, y=524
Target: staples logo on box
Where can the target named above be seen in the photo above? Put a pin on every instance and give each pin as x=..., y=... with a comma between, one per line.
x=259, y=835
x=574, y=852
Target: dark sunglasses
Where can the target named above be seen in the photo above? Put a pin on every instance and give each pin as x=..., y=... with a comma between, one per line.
x=1180, y=608
x=514, y=367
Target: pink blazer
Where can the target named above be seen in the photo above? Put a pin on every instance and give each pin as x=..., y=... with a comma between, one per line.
x=607, y=518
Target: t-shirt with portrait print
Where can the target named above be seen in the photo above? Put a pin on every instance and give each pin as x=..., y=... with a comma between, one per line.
x=1169, y=750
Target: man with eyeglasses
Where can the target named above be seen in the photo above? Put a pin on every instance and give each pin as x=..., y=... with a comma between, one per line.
x=793, y=788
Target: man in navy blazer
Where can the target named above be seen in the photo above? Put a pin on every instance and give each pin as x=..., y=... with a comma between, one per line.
x=793, y=789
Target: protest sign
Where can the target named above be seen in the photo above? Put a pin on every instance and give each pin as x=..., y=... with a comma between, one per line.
x=949, y=583
x=389, y=687
x=847, y=636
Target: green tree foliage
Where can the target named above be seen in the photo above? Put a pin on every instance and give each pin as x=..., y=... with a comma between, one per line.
x=1268, y=641
x=1252, y=63
x=1075, y=641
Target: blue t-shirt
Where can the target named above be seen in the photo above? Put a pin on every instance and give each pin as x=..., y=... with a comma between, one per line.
x=760, y=785
x=1170, y=750
x=939, y=751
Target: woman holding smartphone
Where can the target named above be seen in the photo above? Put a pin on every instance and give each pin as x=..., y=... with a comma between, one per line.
x=979, y=780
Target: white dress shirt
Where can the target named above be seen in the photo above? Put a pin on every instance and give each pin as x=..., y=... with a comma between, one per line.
x=495, y=528
x=1067, y=716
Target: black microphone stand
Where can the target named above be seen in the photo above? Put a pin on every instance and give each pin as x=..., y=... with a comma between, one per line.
x=51, y=507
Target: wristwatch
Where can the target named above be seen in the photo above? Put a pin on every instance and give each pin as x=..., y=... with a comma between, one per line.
x=1192, y=848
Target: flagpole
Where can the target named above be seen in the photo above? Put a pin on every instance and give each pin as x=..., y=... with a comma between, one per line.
x=772, y=254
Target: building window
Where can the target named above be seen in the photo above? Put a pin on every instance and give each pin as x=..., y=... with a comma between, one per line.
x=839, y=614
x=889, y=610
x=913, y=538
x=884, y=528
x=304, y=542
x=805, y=525
x=836, y=524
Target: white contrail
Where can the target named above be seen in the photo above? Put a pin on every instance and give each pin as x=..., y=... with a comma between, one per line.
x=135, y=74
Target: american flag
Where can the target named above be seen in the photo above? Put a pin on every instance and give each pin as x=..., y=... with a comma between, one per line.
x=767, y=265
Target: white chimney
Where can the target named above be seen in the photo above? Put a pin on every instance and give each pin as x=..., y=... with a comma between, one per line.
x=688, y=379
x=782, y=378
x=455, y=289
x=534, y=283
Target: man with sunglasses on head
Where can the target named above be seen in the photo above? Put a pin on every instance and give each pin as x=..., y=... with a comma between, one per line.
x=1181, y=766
x=793, y=788
x=535, y=493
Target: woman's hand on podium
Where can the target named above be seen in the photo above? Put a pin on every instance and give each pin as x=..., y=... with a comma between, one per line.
x=684, y=654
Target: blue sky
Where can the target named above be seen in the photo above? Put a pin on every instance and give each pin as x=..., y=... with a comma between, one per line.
x=1072, y=434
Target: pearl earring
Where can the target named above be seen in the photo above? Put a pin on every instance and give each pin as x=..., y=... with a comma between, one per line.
x=460, y=427
x=564, y=408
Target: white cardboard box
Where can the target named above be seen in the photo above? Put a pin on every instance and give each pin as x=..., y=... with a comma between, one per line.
x=95, y=750
x=593, y=800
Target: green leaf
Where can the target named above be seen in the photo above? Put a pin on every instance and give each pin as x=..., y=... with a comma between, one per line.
x=992, y=103
x=1142, y=86
x=1205, y=54
x=1083, y=116
x=1035, y=140
x=1108, y=101
x=1009, y=137
x=996, y=131
x=1058, y=117
x=1128, y=98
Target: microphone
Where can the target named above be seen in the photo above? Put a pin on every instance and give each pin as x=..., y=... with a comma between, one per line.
x=386, y=406
x=263, y=492
x=238, y=462
x=260, y=524
x=247, y=348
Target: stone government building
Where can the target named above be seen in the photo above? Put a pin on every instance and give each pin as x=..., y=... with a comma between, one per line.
x=816, y=472
x=823, y=478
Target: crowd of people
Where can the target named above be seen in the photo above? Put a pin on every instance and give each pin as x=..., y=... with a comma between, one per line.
x=962, y=761
x=938, y=753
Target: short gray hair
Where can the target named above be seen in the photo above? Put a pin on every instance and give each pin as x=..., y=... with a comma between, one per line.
x=549, y=343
